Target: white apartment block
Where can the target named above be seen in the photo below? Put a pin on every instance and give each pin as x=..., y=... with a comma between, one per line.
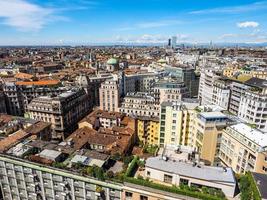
x=253, y=109
x=206, y=83
x=221, y=94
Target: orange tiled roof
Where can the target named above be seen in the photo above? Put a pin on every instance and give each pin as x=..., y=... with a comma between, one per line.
x=23, y=76
x=42, y=82
x=12, y=140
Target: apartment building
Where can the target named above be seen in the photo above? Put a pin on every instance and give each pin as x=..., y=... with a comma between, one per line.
x=91, y=84
x=22, y=179
x=140, y=104
x=253, y=104
x=188, y=76
x=2, y=103
x=221, y=93
x=147, y=130
x=110, y=93
x=231, y=71
x=140, y=81
x=63, y=111
x=99, y=118
x=206, y=131
x=237, y=90
x=19, y=94
x=168, y=90
x=244, y=149
x=174, y=122
x=207, y=79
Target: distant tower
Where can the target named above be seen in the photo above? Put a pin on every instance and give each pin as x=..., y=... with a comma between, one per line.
x=169, y=42
x=173, y=42
x=211, y=45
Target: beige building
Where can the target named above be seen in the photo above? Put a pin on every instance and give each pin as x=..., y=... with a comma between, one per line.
x=170, y=90
x=175, y=118
x=206, y=130
x=140, y=104
x=244, y=149
x=63, y=111
x=109, y=95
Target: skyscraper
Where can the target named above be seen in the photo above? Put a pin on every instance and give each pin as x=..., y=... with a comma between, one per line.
x=173, y=42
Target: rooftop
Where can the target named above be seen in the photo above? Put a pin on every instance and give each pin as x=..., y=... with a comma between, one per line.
x=187, y=169
x=42, y=82
x=211, y=115
x=261, y=182
x=253, y=134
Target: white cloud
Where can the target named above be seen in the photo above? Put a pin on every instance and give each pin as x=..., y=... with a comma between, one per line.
x=261, y=5
x=25, y=16
x=248, y=24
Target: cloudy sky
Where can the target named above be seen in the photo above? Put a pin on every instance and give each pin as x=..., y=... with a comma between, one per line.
x=55, y=22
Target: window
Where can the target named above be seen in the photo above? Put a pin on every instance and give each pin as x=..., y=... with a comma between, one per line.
x=167, y=178
x=142, y=197
x=184, y=181
x=174, y=115
x=128, y=194
x=148, y=173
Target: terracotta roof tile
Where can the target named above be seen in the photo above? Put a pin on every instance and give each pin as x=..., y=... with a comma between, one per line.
x=42, y=82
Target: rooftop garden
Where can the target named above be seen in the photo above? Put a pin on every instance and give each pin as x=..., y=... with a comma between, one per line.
x=201, y=193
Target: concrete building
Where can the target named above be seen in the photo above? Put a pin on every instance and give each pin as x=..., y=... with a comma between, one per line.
x=221, y=93
x=110, y=94
x=186, y=75
x=139, y=81
x=244, y=149
x=19, y=94
x=206, y=131
x=139, y=104
x=175, y=118
x=91, y=85
x=253, y=104
x=173, y=168
x=168, y=90
x=147, y=130
x=207, y=79
x=173, y=42
x=2, y=103
x=237, y=90
x=63, y=111
x=21, y=179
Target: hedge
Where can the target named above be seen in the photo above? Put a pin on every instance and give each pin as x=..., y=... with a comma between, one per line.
x=132, y=166
x=171, y=189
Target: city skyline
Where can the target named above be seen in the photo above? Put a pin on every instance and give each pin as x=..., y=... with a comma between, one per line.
x=83, y=22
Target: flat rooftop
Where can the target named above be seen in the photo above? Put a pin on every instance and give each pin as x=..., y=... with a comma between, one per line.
x=211, y=115
x=187, y=169
x=251, y=133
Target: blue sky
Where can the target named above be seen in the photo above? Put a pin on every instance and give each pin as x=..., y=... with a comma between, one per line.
x=53, y=22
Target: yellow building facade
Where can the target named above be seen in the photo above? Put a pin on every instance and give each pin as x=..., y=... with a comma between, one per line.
x=147, y=130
